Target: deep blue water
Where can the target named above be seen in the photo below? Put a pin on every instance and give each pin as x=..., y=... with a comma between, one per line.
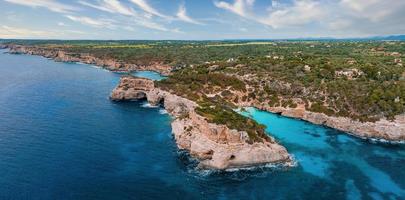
x=61, y=138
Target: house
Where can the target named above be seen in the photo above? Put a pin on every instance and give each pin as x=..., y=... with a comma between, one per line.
x=230, y=60
x=349, y=73
x=307, y=68
x=395, y=54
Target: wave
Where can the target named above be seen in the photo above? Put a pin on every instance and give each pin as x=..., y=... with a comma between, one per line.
x=163, y=111
x=383, y=141
x=238, y=174
x=148, y=105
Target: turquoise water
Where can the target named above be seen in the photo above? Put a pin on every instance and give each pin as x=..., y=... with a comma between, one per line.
x=149, y=74
x=365, y=169
x=62, y=138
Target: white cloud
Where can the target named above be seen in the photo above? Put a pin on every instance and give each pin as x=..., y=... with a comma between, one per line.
x=61, y=24
x=339, y=24
x=111, y=6
x=239, y=7
x=300, y=13
x=341, y=17
x=243, y=29
x=114, y=6
x=152, y=25
x=47, y=4
x=99, y=23
x=143, y=4
x=182, y=15
x=24, y=33
x=13, y=32
x=374, y=10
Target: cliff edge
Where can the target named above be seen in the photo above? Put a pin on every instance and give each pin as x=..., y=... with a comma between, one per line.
x=107, y=63
x=214, y=146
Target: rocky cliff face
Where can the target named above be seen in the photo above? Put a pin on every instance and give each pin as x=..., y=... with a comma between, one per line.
x=110, y=64
x=215, y=146
x=391, y=131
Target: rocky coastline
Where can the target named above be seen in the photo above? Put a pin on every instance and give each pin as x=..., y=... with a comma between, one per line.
x=382, y=130
x=214, y=146
x=109, y=64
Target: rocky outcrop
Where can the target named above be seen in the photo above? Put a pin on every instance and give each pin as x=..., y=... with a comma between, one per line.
x=383, y=130
x=214, y=146
x=110, y=64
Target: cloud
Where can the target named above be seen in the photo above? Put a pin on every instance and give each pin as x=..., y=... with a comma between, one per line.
x=111, y=6
x=342, y=17
x=24, y=33
x=143, y=4
x=47, y=4
x=152, y=25
x=61, y=24
x=98, y=23
x=182, y=15
x=301, y=12
x=114, y=6
x=13, y=32
x=239, y=7
x=373, y=10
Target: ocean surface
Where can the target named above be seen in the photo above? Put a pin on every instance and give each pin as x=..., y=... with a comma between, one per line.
x=62, y=138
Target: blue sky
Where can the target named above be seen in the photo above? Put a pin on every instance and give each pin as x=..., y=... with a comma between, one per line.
x=200, y=19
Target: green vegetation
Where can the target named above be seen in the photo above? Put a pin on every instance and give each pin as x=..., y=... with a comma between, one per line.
x=363, y=80
x=222, y=114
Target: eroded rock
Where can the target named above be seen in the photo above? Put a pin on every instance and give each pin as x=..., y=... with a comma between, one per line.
x=215, y=146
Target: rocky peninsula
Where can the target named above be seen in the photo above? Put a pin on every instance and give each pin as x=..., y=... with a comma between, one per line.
x=215, y=146
x=110, y=64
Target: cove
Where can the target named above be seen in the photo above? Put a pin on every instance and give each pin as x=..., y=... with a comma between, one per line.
x=62, y=138
x=149, y=75
x=333, y=155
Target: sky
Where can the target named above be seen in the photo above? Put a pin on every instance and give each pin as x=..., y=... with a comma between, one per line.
x=199, y=19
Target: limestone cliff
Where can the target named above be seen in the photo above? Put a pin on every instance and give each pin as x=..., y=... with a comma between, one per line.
x=215, y=146
x=110, y=64
x=391, y=131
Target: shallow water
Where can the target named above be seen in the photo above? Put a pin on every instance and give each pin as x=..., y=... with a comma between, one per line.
x=149, y=74
x=363, y=168
x=61, y=138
